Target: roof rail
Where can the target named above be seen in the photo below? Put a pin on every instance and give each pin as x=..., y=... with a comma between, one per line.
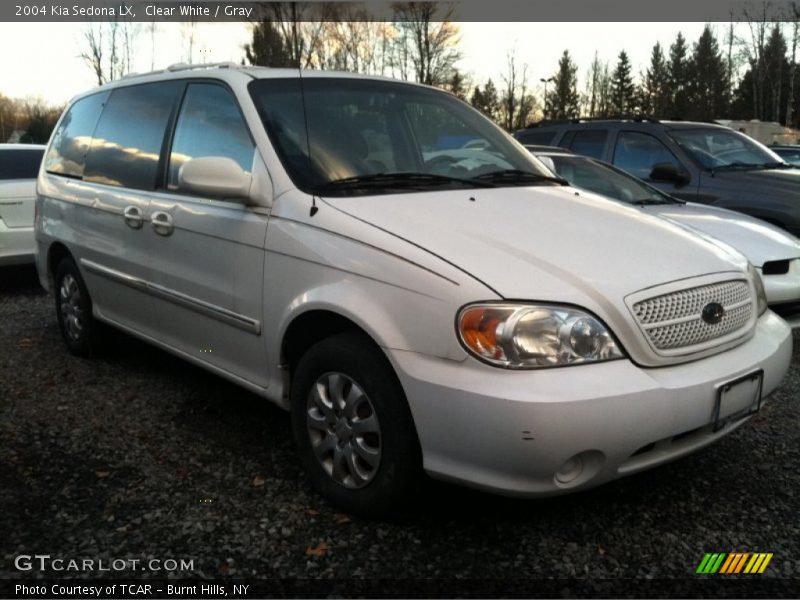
x=185, y=67
x=190, y=66
x=578, y=120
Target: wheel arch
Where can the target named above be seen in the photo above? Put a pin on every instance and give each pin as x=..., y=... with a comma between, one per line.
x=312, y=326
x=55, y=254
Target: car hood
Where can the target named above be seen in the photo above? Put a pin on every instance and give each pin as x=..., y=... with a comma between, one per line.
x=758, y=240
x=542, y=243
x=784, y=181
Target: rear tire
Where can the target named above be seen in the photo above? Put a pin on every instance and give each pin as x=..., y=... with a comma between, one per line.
x=353, y=428
x=81, y=332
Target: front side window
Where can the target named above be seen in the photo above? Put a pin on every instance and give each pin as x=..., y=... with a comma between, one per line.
x=67, y=153
x=637, y=153
x=362, y=136
x=602, y=179
x=127, y=143
x=20, y=164
x=210, y=124
x=725, y=149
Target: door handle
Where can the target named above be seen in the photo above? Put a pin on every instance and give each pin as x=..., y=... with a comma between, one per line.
x=162, y=223
x=133, y=217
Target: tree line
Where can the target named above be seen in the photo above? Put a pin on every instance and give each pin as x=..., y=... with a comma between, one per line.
x=739, y=78
x=28, y=120
x=742, y=72
x=747, y=72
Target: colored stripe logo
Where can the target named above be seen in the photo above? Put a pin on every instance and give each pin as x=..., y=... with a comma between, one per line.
x=734, y=563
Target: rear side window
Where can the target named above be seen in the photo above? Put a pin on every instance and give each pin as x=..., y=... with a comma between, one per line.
x=20, y=164
x=127, y=142
x=536, y=138
x=589, y=143
x=67, y=153
x=637, y=153
x=210, y=124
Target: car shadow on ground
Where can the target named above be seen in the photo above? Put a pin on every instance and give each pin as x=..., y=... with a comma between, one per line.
x=226, y=416
x=20, y=278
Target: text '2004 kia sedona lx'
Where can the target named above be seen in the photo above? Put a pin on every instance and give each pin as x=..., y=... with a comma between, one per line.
x=402, y=276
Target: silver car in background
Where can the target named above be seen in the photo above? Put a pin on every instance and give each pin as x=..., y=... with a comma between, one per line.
x=773, y=251
x=19, y=166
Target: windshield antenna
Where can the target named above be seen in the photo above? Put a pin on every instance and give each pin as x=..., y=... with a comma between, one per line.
x=314, y=207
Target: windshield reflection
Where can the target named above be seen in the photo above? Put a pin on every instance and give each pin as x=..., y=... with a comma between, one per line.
x=376, y=136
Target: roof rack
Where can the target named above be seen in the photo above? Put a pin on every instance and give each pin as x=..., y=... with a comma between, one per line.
x=573, y=121
x=186, y=67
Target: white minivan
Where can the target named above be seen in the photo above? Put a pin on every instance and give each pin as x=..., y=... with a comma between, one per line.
x=401, y=275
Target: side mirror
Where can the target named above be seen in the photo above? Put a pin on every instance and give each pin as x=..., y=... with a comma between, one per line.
x=215, y=177
x=669, y=173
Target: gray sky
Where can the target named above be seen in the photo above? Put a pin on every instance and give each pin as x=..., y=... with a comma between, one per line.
x=42, y=59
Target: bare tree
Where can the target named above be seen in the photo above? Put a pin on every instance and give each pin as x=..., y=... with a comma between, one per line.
x=516, y=103
x=795, y=18
x=130, y=31
x=428, y=40
x=189, y=34
x=753, y=50
x=93, y=55
x=8, y=117
x=152, y=29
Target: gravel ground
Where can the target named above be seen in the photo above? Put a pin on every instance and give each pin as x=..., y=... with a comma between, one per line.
x=141, y=455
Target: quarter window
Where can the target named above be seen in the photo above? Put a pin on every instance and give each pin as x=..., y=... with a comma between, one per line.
x=210, y=124
x=67, y=153
x=536, y=138
x=127, y=142
x=637, y=153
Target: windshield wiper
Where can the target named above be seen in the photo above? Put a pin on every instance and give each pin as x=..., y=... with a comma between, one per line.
x=651, y=201
x=398, y=179
x=779, y=165
x=517, y=176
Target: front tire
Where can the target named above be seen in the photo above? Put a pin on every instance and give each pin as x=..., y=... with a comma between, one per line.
x=353, y=428
x=81, y=332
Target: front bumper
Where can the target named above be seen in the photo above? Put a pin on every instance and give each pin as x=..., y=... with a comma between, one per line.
x=17, y=245
x=512, y=432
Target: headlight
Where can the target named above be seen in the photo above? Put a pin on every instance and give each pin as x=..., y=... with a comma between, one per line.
x=532, y=336
x=761, y=295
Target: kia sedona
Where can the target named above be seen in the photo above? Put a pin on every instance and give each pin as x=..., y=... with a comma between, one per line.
x=417, y=290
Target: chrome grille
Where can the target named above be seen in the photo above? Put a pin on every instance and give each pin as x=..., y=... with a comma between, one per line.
x=674, y=320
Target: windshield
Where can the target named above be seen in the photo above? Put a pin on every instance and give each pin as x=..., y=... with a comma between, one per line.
x=371, y=136
x=717, y=149
x=595, y=177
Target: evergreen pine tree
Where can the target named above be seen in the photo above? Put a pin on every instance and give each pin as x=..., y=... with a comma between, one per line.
x=623, y=90
x=563, y=101
x=677, y=69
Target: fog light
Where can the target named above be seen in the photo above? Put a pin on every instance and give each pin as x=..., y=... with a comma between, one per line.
x=570, y=470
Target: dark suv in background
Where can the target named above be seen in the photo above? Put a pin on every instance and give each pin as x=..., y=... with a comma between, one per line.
x=699, y=162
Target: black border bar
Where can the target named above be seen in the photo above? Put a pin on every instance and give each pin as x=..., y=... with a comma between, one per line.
x=381, y=10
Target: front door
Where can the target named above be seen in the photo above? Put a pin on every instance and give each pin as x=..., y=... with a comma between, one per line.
x=208, y=254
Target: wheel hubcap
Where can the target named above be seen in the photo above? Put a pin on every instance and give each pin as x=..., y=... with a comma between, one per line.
x=71, y=307
x=344, y=430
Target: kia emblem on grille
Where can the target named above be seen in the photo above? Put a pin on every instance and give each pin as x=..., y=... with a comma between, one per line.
x=713, y=313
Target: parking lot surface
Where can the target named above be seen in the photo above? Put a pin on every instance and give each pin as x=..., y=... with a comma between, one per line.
x=141, y=455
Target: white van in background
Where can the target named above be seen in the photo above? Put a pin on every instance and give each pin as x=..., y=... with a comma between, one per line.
x=19, y=166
